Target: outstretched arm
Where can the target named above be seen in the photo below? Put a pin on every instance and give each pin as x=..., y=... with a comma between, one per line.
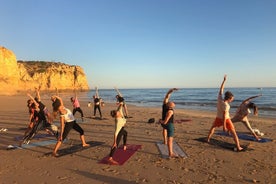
x=60, y=99
x=37, y=90
x=222, y=85
x=118, y=92
x=168, y=95
x=31, y=97
x=97, y=92
x=250, y=98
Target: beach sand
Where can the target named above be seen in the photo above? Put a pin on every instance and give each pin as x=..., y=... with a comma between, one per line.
x=206, y=163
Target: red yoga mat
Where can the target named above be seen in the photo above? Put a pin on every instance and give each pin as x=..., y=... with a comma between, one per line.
x=120, y=155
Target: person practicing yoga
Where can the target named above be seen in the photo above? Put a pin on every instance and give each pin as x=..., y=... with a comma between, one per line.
x=119, y=132
x=223, y=116
x=67, y=122
x=167, y=121
x=243, y=112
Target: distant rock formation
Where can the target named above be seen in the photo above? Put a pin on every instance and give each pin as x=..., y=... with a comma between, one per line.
x=18, y=76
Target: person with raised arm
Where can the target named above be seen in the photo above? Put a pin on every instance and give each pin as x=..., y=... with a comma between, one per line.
x=167, y=121
x=67, y=122
x=243, y=112
x=223, y=117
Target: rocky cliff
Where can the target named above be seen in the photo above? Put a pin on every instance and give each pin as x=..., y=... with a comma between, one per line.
x=18, y=76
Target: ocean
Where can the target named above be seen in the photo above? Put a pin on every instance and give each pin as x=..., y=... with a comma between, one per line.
x=191, y=98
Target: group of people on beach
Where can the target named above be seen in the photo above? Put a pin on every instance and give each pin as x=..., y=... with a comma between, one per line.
x=222, y=118
x=41, y=118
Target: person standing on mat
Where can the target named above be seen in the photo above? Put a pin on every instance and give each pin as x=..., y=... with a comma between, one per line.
x=223, y=116
x=67, y=122
x=120, y=132
x=167, y=121
x=76, y=105
x=242, y=114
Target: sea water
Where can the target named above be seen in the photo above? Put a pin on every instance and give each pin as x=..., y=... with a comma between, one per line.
x=190, y=98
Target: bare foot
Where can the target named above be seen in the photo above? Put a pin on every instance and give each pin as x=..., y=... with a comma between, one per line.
x=85, y=145
x=125, y=147
x=55, y=154
x=173, y=155
x=112, y=162
x=239, y=149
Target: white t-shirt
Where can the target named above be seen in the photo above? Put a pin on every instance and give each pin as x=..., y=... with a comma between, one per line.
x=68, y=117
x=222, y=107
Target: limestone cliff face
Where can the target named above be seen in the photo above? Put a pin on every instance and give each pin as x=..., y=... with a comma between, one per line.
x=22, y=76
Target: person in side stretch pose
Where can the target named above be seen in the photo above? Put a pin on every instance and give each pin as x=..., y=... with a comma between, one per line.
x=67, y=122
x=223, y=117
x=120, y=132
x=243, y=112
x=167, y=121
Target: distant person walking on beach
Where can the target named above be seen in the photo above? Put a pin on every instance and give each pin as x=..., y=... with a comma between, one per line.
x=97, y=103
x=167, y=121
x=120, y=132
x=223, y=117
x=76, y=105
x=243, y=112
x=121, y=101
x=67, y=122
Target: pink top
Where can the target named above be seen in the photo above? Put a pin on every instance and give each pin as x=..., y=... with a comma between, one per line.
x=76, y=103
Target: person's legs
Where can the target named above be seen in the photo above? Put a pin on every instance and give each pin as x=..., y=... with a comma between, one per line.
x=211, y=132
x=164, y=133
x=124, y=138
x=170, y=147
x=231, y=128
x=99, y=109
x=74, y=111
x=80, y=130
x=236, y=139
x=217, y=122
x=58, y=144
x=95, y=107
x=81, y=112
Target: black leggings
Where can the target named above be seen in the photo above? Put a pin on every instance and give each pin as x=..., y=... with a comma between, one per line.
x=69, y=126
x=123, y=133
x=99, y=109
x=79, y=110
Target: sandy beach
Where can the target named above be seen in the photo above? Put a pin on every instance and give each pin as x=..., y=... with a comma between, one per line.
x=206, y=163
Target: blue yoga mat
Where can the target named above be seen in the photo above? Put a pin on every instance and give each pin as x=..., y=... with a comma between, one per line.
x=245, y=137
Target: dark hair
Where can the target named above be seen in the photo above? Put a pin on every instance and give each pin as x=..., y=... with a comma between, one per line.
x=121, y=99
x=228, y=95
x=113, y=113
x=56, y=104
x=71, y=98
x=29, y=102
x=36, y=99
x=254, y=107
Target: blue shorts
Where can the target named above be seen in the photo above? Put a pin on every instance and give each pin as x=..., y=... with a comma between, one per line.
x=170, y=129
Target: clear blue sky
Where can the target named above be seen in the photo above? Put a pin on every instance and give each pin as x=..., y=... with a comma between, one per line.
x=148, y=43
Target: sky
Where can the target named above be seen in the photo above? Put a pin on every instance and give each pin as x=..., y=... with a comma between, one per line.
x=148, y=43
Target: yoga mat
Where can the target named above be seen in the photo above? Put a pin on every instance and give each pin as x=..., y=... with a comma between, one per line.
x=122, y=156
x=223, y=144
x=37, y=136
x=163, y=149
x=32, y=144
x=245, y=137
x=76, y=148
